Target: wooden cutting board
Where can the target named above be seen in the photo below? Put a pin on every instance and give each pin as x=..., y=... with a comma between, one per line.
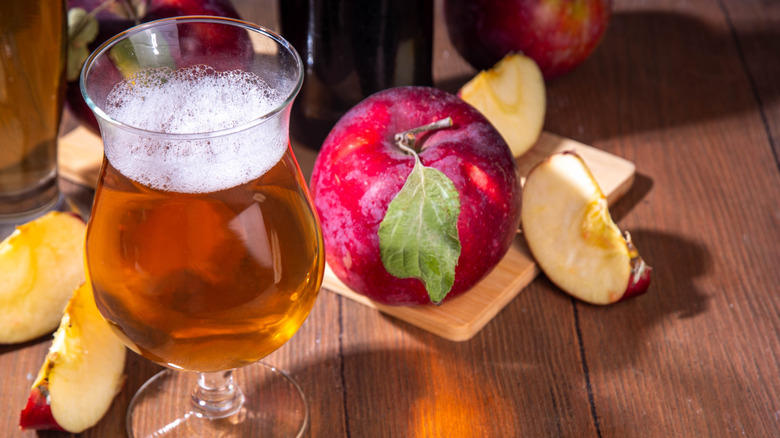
x=458, y=319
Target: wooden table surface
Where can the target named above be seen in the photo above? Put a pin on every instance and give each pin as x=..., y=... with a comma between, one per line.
x=690, y=92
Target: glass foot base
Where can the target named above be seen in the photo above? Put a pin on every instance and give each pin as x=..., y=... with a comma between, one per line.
x=18, y=208
x=9, y=222
x=274, y=406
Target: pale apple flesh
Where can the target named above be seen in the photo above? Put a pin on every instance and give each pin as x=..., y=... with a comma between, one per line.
x=82, y=373
x=569, y=231
x=512, y=97
x=42, y=263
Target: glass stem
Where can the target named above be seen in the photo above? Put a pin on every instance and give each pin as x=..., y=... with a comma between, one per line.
x=216, y=395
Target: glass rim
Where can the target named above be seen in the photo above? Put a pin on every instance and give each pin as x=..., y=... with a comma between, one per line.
x=111, y=42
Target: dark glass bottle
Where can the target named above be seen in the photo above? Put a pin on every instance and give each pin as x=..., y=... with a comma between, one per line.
x=351, y=49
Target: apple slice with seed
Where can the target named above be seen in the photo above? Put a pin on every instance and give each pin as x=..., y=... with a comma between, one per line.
x=41, y=264
x=572, y=236
x=512, y=97
x=81, y=374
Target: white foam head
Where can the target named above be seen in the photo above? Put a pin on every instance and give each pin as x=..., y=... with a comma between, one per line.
x=192, y=101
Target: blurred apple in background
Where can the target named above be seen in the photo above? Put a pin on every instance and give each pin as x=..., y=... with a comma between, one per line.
x=92, y=22
x=558, y=35
x=410, y=219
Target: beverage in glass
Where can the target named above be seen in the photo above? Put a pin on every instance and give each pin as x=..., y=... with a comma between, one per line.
x=205, y=281
x=203, y=248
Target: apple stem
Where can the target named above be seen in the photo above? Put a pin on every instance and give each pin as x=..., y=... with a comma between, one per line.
x=406, y=140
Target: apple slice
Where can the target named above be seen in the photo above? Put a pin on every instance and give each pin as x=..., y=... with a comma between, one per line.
x=571, y=234
x=42, y=263
x=81, y=374
x=512, y=97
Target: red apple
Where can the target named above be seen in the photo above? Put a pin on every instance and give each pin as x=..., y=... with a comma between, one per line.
x=92, y=22
x=361, y=184
x=558, y=35
x=206, y=40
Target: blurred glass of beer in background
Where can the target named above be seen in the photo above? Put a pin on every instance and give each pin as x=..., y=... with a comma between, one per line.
x=33, y=45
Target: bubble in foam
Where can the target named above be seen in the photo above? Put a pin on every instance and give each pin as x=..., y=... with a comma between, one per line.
x=194, y=100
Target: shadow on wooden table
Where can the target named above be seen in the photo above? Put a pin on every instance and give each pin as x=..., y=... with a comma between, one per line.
x=677, y=263
x=671, y=63
x=624, y=328
x=47, y=338
x=638, y=192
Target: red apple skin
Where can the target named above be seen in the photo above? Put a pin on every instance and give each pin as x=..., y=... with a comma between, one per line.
x=638, y=285
x=219, y=41
x=558, y=35
x=360, y=169
x=172, y=8
x=37, y=412
x=120, y=15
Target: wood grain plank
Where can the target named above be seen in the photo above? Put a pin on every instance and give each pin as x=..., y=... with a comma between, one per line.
x=697, y=355
x=688, y=92
x=754, y=25
x=313, y=358
x=519, y=376
x=80, y=155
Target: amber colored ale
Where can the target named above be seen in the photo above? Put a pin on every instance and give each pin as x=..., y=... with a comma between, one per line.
x=32, y=80
x=207, y=281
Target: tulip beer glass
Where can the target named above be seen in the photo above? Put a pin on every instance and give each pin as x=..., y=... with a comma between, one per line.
x=203, y=249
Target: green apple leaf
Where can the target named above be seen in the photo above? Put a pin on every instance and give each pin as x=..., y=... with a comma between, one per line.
x=418, y=237
x=82, y=30
x=149, y=48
